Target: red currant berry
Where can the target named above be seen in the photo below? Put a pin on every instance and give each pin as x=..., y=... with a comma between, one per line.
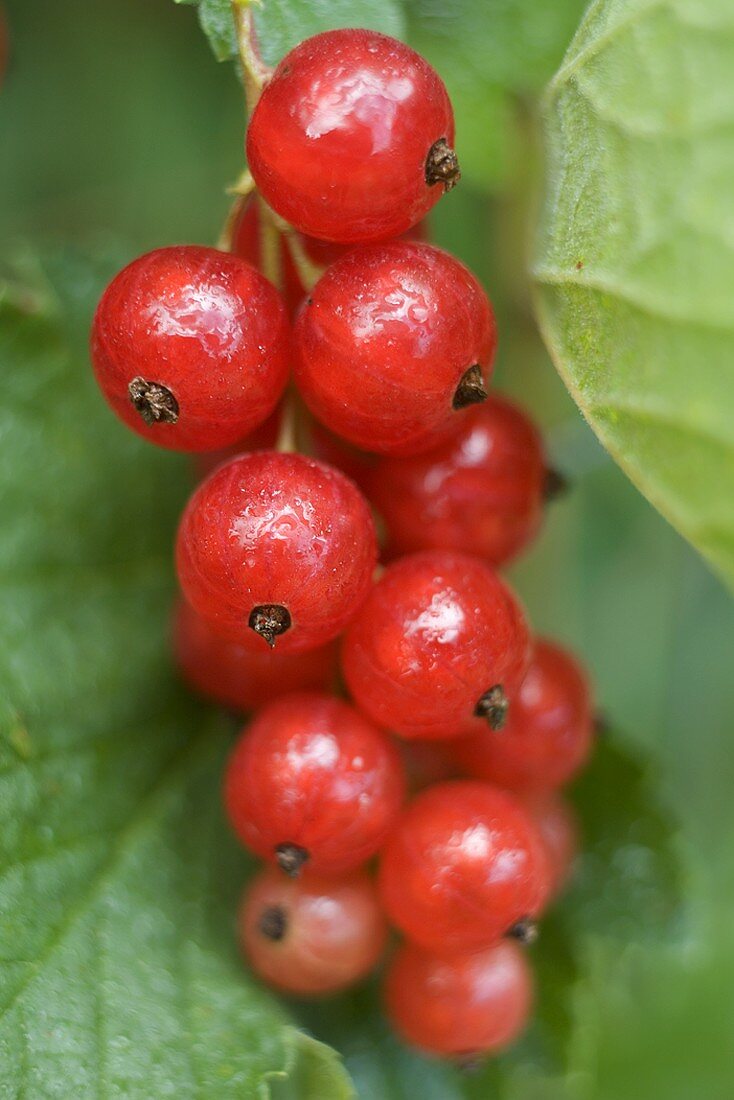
x=351, y=138
x=263, y=438
x=461, y=1006
x=549, y=731
x=276, y=547
x=427, y=762
x=393, y=341
x=464, y=864
x=237, y=677
x=325, y=253
x=559, y=830
x=311, y=935
x=480, y=492
x=439, y=638
x=247, y=243
x=327, y=447
x=312, y=780
x=190, y=347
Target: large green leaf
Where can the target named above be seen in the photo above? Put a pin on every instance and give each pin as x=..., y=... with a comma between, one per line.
x=635, y=267
x=282, y=24
x=494, y=55
x=118, y=882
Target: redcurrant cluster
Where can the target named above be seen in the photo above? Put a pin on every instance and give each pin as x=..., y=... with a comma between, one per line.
x=391, y=350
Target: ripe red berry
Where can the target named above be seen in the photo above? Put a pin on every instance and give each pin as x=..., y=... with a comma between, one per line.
x=247, y=243
x=191, y=347
x=559, y=830
x=276, y=547
x=459, y=1006
x=351, y=138
x=313, y=781
x=238, y=677
x=440, y=637
x=464, y=864
x=549, y=730
x=480, y=492
x=327, y=447
x=392, y=343
x=312, y=935
x=263, y=438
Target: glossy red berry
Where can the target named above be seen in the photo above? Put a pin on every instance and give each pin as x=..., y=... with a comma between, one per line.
x=351, y=138
x=247, y=242
x=464, y=864
x=440, y=637
x=312, y=935
x=392, y=343
x=460, y=1006
x=327, y=447
x=312, y=781
x=237, y=677
x=191, y=347
x=548, y=734
x=263, y=438
x=276, y=549
x=324, y=253
x=560, y=832
x=480, y=492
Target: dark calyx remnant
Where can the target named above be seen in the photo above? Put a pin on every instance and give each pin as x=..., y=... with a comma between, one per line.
x=442, y=165
x=525, y=931
x=273, y=923
x=555, y=484
x=291, y=858
x=470, y=390
x=269, y=620
x=493, y=707
x=155, y=403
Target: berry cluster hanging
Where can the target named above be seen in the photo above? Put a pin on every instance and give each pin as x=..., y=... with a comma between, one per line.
x=373, y=669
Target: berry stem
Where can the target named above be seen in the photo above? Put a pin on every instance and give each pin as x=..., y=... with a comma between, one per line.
x=255, y=73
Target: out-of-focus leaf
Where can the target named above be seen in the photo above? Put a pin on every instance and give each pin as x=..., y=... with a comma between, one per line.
x=492, y=54
x=282, y=24
x=635, y=267
x=119, y=973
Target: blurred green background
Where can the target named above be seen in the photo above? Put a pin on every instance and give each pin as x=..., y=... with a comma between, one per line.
x=118, y=131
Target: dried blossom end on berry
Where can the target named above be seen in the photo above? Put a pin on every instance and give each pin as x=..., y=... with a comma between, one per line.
x=291, y=858
x=442, y=165
x=155, y=403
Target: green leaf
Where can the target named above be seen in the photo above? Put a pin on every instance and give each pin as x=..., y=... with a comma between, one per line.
x=118, y=880
x=282, y=24
x=635, y=268
x=493, y=55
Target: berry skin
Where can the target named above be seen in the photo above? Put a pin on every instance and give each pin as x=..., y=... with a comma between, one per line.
x=236, y=677
x=463, y=865
x=440, y=637
x=459, y=1006
x=191, y=347
x=392, y=343
x=276, y=549
x=312, y=936
x=247, y=243
x=351, y=138
x=549, y=730
x=560, y=832
x=480, y=492
x=263, y=438
x=312, y=781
